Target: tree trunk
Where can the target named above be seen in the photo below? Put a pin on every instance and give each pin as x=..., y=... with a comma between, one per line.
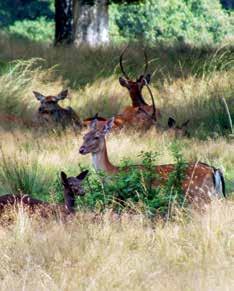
x=91, y=22
x=63, y=22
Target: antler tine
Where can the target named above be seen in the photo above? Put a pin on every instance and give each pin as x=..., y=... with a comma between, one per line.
x=153, y=102
x=121, y=63
x=146, y=62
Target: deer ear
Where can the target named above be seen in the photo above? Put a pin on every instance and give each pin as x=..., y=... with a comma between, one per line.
x=144, y=79
x=82, y=175
x=39, y=96
x=108, y=126
x=185, y=123
x=148, y=78
x=171, y=122
x=93, y=124
x=63, y=178
x=123, y=82
x=62, y=95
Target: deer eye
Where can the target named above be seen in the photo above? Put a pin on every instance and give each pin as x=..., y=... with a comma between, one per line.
x=96, y=137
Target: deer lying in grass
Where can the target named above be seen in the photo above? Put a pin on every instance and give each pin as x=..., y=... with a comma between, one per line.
x=177, y=131
x=101, y=121
x=201, y=182
x=138, y=117
x=140, y=114
x=72, y=188
x=51, y=113
x=135, y=90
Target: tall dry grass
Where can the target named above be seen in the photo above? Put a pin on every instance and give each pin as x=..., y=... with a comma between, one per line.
x=135, y=254
x=38, y=156
x=187, y=82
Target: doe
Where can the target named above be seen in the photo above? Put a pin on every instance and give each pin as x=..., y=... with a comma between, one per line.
x=201, y=181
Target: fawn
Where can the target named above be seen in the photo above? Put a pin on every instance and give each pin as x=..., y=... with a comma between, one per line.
x=72, y=188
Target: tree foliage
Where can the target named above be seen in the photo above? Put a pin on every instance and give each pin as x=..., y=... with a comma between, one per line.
x=18, y=10
x=196, y=21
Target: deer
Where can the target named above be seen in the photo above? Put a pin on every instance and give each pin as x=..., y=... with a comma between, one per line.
x=133, y=117
x=200, y=184
x=176, y=131
x=51, y=113
x=72, y=188
x=140, y=115
x=135, y=88
x=101, y=121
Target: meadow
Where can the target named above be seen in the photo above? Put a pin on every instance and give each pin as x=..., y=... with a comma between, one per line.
x=191, y=252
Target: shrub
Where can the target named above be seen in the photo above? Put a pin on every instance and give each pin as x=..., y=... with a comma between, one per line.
x=26, y=9
x=39, y=29
x=134, y=189
x=188, y=21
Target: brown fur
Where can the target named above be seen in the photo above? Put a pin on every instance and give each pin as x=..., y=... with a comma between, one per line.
x=72, y=187
x=50, y=113
x=198, y=185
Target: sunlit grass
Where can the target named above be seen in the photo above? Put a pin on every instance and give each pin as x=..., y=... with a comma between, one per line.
x=48, y=154
x=192, y=254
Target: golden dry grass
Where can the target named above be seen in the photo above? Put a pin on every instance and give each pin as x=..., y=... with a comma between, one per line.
x=134, y=254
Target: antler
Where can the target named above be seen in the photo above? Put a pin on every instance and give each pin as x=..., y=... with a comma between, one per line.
x=121, y=63
x=153, y=115
x=146, y=62
x=153, y=102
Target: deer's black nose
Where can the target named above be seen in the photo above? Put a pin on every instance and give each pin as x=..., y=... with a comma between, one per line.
x=82, y=150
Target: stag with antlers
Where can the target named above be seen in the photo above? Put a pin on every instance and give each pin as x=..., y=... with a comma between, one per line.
x=139, y=105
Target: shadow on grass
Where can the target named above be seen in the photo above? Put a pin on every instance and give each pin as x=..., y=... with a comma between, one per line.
x=84, y=65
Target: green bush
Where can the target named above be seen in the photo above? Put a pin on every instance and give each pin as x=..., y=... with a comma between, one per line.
x=189, y=21
x=39, y=29
x=134, y=190
x=18, y=10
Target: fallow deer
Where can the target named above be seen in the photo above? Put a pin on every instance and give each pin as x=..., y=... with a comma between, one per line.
x=177, y=131
x=72, y=188
x=201, y=182
x=135, y=90
x=133, y=117
x=51, y=113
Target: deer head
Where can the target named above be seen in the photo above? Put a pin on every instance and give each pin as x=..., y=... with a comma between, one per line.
x=135, y=87
x=49, y=107
x=72, y=187
x=94, y=140
x=177, y=131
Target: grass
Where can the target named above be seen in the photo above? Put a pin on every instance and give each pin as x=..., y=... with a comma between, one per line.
x=193, y=252
x=196, y=254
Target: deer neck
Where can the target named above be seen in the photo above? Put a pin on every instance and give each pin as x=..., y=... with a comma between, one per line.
x=69, y=201
x=101, y=161
x=137, y=99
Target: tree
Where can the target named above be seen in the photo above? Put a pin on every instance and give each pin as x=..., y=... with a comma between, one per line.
x=91, y=22
x=63, y=22
x=227, y=4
